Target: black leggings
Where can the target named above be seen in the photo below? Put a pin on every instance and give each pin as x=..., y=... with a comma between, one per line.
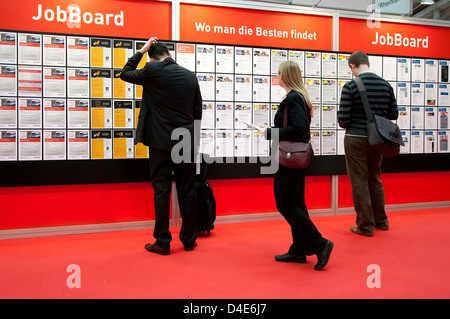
x=289, y=189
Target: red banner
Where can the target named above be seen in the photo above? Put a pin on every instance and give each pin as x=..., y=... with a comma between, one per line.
x=393, y=38
x=213, y=24
x=120, y=18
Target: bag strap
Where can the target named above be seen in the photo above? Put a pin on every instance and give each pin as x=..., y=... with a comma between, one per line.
x=363, y=94
x=307, y=115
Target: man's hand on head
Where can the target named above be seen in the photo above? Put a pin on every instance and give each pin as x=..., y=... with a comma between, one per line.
x=148, y=44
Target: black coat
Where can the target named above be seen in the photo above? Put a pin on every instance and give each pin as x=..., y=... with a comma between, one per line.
x=298, y=119
x=171, y=99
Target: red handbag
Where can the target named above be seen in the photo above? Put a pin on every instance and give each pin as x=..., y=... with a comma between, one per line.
x=294, y=154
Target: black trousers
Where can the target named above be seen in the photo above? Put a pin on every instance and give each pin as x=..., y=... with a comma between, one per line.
x=289, y=188
x=161, y=167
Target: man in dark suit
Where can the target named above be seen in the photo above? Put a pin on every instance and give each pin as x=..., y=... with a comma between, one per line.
x=171, y=102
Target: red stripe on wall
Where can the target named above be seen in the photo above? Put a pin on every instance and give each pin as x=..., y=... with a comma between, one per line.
x=51, y=206
x=67, y=205
x=250, y=196
x=404, y=188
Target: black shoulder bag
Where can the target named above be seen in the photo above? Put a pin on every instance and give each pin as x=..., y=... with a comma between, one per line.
x=382, y=134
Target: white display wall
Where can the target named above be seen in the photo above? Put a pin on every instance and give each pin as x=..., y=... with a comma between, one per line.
x=62, y=98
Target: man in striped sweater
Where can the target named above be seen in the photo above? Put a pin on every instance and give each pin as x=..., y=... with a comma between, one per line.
x=363, y=162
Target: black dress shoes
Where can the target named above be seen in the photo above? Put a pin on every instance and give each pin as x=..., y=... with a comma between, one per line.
x=191, y=248
x=154, y=248
x=324, y=255
x=291, y=258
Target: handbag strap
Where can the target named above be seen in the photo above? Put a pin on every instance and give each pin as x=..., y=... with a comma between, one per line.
x=363, y=94
x=307, y=115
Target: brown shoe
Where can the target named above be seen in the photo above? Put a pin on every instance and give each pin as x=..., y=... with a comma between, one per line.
x=383, y=227
x=356, y=230
x=154, y=248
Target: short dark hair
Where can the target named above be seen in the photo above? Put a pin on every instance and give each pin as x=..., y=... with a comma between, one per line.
x=158, y=50
x=357, y=58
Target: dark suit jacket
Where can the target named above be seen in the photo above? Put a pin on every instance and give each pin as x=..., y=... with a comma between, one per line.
x=171, y=99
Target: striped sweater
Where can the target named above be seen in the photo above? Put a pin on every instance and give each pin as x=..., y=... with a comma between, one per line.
x=380, y=94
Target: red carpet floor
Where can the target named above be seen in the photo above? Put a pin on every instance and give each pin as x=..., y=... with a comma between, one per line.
x=237, y=261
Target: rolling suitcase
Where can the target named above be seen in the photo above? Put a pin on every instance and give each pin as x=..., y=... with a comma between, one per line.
x=206, y=203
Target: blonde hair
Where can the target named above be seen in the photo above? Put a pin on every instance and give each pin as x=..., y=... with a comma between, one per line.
x=292, y=77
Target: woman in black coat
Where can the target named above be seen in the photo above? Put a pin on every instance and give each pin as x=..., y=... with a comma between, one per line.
x=289, y=183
